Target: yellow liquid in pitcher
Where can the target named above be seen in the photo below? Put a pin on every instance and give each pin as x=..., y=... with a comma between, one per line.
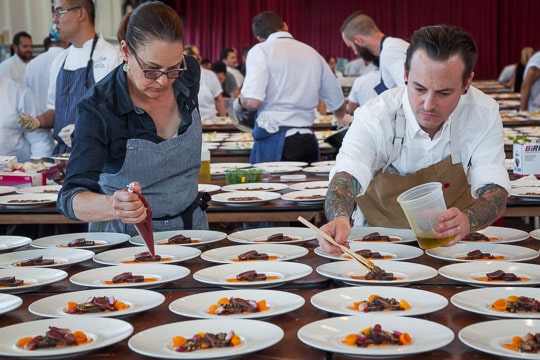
x=430, y=242
x=204, y=172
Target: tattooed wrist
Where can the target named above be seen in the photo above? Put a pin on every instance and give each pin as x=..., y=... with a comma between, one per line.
x=342, y=191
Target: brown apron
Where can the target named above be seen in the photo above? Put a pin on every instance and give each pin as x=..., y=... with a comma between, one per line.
x=379, y=203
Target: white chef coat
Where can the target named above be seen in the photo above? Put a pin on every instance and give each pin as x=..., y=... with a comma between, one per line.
x=13, y=68
x=209, y=89
x=392, y=61
x=237, y=75
x=358, y=67
x=363, y=87
x=534, y=99
x=15, y=99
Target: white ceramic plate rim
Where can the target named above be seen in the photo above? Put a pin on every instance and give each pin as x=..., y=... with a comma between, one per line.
x=535, y=234
x=176, y=253
x=105, y=239
x=9, y=242
x=326, y=334
x=505, y=235
x=227, y=254
x=318, y=169
x=196, y=306
x=9, y=302
x=48, y=199
x=292, y=196
x=209, y=188
x=204, y=236
x=306, y=184
x=104, y=331
x=510, y=252
x=280, y=169
x=67, y=256
x=164, y=273
x=138, y=299
x=406, y=235
x=263, y=195
x=466, y=271
x=397, y=251
x=7, y=189
x=266, y=186
x=280, y=164
x=37, y=277
x=38, y=189
x=248, y=236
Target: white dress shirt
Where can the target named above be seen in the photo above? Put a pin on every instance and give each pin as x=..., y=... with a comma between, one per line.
x=15, y=99
x=368, y=143
x=363, y=87
x=209, y=89
x=392, y=61
x=534, y=99
x=237, y=75
x=358, y=67
x=13, y=68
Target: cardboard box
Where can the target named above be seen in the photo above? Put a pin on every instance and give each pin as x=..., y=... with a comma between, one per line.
x=527, y=159
x=21, y=180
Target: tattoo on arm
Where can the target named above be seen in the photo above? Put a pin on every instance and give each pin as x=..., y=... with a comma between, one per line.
x=340, y=197
x=490, y=205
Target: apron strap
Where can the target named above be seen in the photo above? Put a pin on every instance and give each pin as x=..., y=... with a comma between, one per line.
x=381, y=87
x=454, y=144
x=397, y=141
x=201, y=201
x=90, y=63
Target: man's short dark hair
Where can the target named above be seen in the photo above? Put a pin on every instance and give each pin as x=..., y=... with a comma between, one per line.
x=266, y=23
x=219, y=67
x=225, y=53
x=17, y=39
x=440, y=42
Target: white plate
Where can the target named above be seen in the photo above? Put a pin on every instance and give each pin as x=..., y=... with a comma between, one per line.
x=209, y=188
x=255, y=187
x=199, y=237
x=35, y=278
x=98, y=278
x=62, y=257
x=103, y=331
x=284, y=271
x=479, y=300
x=340, y=300
x=466, y=272
x=258, y=236
x=30, y=200
x=297, y=196
x=276, y=252
x=277, y=170
x=237, y=145
x=230, y=165
x=460, y=251
x=526, y=193
x=10, y=242
x=255, y=334
x=169, y=255
x=280, y=164
x=103, y=240
x=406, y=271
x=9, y=302
x=263, y=196
x=502, y=235
x=310, y=185
x=7, y=190
x=404, y=235
x=324, y=163
x=489, y=336
x=327, y=335
x=396, y=251
x=278, y=302
x=45, y=189
x=535, y=234
x=137, y=299
x=318, y=170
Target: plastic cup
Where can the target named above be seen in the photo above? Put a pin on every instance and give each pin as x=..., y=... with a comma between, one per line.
x=422, y=206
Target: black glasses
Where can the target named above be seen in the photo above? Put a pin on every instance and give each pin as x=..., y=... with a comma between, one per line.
x=61, y=12
x=156, y=74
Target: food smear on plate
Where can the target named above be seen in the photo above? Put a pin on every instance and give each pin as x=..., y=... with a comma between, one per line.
x=529, y=343
x=145, y=227
x=479, y=255
x=36, y=261
x=376, y=236
x=377, y=276
x=55, y=337
x=254, y=255
x=517, y=304
x=479, y=237
x=11, y=281
x=309, y=197
x=376, y=336
x=80, y=242
x=28, y=201
x=278, y=237
x=244, y=198
x=205, y=340
x=96, y=304
x=378, y=303
x=499, y=275
x=235, y=305
x=146, y=256
x=128, y=278
x=252, y=275
x=371, y=255
x=179, y=239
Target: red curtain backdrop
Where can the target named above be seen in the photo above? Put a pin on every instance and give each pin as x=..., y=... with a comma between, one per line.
x=500, y=27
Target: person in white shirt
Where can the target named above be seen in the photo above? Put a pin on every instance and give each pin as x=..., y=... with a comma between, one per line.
x=14, y=67
x=506, y=74
x=284, y=82
x=359, y=66
x=530, y=87
x=361, y=34
x=363, y=88
x=332, y=62
x=73, y=72
x=38, y=71
x=436, y=128
x=230, y=58
x=14, y=141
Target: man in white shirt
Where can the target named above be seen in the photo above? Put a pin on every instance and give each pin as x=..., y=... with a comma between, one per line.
x=14, y=67
x=530, y=87
x=16, y=98
x=230, y=58
x=359, y=66
x=361, y=34
x=363, y=88
x=74, y=71
x=436, y=128
x=284, y=82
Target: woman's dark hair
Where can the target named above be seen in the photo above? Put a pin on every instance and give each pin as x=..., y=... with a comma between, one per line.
x=152, y=20
x=440, y=42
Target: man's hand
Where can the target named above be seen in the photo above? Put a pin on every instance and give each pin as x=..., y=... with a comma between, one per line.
x=454, y=223
x=344, y=121
x=65, y=134
x=339, y=229
x=28, y=122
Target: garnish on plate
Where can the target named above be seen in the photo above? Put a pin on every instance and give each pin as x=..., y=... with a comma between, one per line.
x=96, y=304
x=235, y=305
x=529, y=343
x=499, y=275
x=478, y=237
x=254, y=255
x=252, y=275
x=179, y=239
x=205, y=340
x=378, y=303
x=376, y=275
x=376, y=336
x=516, y=304
x=55, y=337
x=376, y=236
x=128, y=278
x=479, y=255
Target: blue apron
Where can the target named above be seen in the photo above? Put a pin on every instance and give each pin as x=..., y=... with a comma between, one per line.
x=168, y=175
x=381, y=87
x=71, y=85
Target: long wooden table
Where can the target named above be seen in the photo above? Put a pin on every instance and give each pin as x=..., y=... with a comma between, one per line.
x=290, y=347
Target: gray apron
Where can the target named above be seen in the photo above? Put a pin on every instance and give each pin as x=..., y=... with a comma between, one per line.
x=168, y=175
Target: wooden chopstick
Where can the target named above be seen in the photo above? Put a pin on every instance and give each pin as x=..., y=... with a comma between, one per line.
x=362, y=260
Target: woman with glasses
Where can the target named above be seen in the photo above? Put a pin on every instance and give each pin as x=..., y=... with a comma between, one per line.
x=140, y=123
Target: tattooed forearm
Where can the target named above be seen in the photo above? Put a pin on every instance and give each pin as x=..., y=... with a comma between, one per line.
x=490, y=205
x=340, y=197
